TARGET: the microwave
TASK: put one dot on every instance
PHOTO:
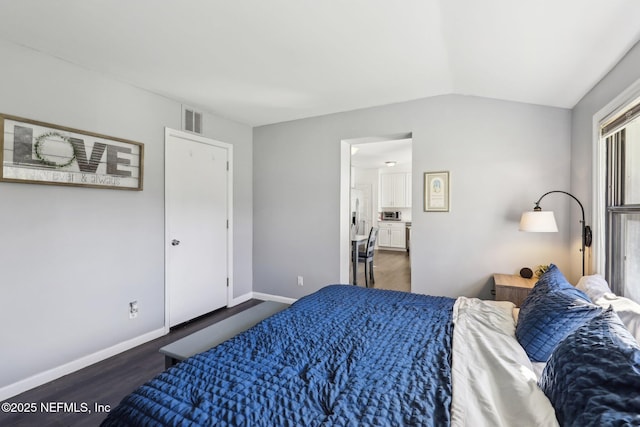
(391, 216)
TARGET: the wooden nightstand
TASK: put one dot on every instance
(510, 287)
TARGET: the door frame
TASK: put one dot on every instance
(344, 212)
(168, 132)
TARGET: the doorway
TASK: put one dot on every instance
(198, 196)
(368, 165)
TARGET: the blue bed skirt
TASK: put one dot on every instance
(341, 356)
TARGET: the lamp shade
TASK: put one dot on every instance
(538, 221)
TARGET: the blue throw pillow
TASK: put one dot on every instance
(553, 309)
(593, 376)
(554, 279)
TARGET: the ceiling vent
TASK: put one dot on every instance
(191, 120)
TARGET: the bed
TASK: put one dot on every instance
(356, 356)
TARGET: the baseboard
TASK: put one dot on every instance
(242, 298)
(36, 380)
(276, 298)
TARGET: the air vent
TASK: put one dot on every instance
(191, 120)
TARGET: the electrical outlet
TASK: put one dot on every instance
(300, 281)
(133, 309)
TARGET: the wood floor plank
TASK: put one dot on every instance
(392, 270)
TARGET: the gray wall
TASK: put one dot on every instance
(621, 77)
(502, 156)
(72, 258)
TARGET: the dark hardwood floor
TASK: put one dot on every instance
(391, 269)
(104, 383)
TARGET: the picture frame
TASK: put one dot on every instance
(436, 191)
(36, 152)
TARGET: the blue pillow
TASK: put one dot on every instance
(553, 309)
(593, 376)
(554, 279)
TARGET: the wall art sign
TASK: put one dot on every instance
(436, 191)
(42, 153)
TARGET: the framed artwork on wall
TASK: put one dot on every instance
(436, 191)
(42, 153)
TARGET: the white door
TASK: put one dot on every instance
(398, 237)
(398, 182)
(386, 191)
(197, 187)
(384, 236)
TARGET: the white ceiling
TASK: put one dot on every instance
(260, 62)
(373, 155)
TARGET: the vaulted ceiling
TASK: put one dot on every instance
(268, 61)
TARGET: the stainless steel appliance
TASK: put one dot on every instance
(391, 216)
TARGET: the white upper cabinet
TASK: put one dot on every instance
(395, 190)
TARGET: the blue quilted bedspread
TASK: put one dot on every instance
(341, 356)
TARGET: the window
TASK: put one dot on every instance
(622, 138)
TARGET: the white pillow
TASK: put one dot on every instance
(600, 293)
(626, 309)
(594, 286)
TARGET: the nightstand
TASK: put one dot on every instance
(510, 287)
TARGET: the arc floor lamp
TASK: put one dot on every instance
(544, 221)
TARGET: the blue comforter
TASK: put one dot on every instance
(341, 356)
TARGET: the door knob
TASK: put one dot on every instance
(175, 242)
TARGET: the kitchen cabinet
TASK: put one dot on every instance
(392, 235)
(395, 190)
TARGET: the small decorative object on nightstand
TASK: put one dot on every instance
(526, 273)
(510, 287)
